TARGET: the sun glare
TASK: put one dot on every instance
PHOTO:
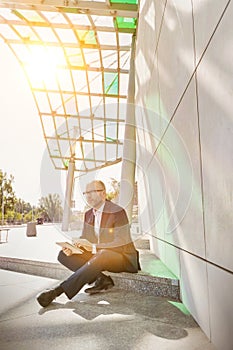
(42, 65)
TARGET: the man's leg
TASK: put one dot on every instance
(104, 260)
(88, 272)
(74, 261)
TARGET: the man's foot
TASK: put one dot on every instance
(102, 283)
(46, 297)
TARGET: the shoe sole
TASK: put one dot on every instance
(99, 291)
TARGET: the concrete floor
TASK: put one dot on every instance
(112, 320)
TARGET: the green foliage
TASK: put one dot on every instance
(7, 196)
(16, 210)
(112, 189)
(50, 207)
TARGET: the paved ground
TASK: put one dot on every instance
(112, 320)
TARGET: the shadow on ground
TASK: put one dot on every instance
(152, 314)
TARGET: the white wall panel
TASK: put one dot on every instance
(194, 289)
(206, 16)
(175, 54)
(181, 165)
(215, 86)
(221, 307)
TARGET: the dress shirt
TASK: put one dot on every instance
(98, 215)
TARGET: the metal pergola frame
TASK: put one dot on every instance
(82, 105)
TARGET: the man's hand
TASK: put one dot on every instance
(67, 251)
(83, 243)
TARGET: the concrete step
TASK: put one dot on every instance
(141, 242)
(154, 278)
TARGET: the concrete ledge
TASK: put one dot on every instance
(34, 267)
(146, 284)
(139, 282)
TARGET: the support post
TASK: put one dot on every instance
(68, 195)
(129, 147)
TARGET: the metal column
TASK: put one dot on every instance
(129, 148)
(68, 195)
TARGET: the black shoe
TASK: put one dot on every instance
(102, 283)
(45, 298)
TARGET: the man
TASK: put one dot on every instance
(107, 246)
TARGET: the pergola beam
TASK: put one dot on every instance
(82, 117)
(66, 26)
(66, 44)
(86, 7)
(62, 138)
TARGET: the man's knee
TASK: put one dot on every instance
(61, 257)
(103, 252)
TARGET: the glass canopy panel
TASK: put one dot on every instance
(92, 58)
(64, 147)
(64, 80)
(86, 128)
(77, 62)
(25, 32)
(54, 17)
(66, 35)
(134, 2)
(79, 19)
(103, 21)
(69, 103)
(84, 105)
(7, 32)
(8, 14)
(42, 101)
(111, 132)
(86, 37)
(97, 106)
(74, 57)
(48, 124)
(122, 108)
(45, 34)
(111, 151)
(110, 58)
(60, 122)
(56, 102)
(124, 79)
(29, 15)
(111, 83)
(95, 82)
(88, 150)
(107, 38)
(111, 108)
(124, 22)
(59, 163)
(80, 81)
(125, 39)
(124, 59)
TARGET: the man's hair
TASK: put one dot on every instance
(100, 183)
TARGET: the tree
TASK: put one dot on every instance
(7, 195)
(113, 189)
(50, 206)
(22, 210)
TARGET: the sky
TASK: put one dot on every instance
(23, 150)
(21, 140)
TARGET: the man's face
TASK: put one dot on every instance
(95, 195)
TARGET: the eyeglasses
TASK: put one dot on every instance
(93, 191)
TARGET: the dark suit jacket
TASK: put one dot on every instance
(114, 233)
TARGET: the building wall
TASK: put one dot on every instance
(184, 116)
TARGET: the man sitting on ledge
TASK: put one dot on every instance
(106, 228)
